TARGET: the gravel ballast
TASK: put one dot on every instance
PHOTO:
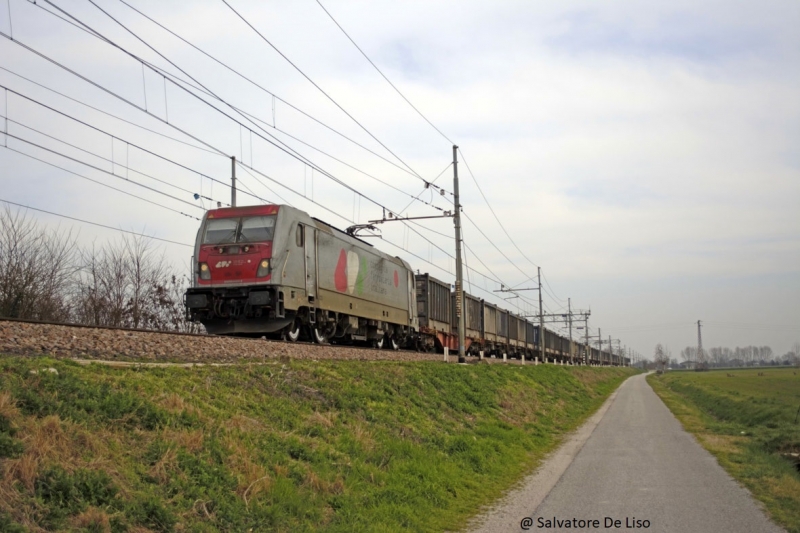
(81, 342)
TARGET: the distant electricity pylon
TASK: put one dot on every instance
(702, 364)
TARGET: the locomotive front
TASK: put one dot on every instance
(233, 290)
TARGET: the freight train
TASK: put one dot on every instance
(273, 270)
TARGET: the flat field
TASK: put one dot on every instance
(747, 419)
(293, 445)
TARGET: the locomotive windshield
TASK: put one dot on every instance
(257, 229)
(238, 230)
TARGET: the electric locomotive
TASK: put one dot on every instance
(272, 269)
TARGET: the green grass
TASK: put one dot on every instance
(283, 446)
(747, 421)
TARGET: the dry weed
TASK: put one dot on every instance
(323, 486)
(23, 469)
(92, 518)
(8, 407)
(173, 402)
(162, 470)
(326, 419)
(720, 443)
(785, 487)
(243, 423)
(192, 440)
(363, 436)
(315, 483)
(47, 439)
(519, 407)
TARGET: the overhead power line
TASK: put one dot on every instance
(117, 96)
(106, 113)
(55, 152)
(303, 159)
(104, 132)
(384, 75)
(443, 135)
(178, 83)
(426, 120)
(96, 224)
(101, 183)
(329, 97)
(491, 209)
(267, 91)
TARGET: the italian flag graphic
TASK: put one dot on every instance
(350, 272)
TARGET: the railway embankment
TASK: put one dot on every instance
(282, 445)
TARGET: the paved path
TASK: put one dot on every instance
(637, 462)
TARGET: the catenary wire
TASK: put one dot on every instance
(101, 183)
(102, 170)
(95, 223)
(117, 96)
(262, 88)
(298, 69)
(100, 130)
(285, 148)
(383, 75)
(107, 113)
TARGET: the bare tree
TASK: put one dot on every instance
(661, 357)
(103, 286)
(36, 268)
(129, 283)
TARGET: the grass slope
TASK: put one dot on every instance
(283, 446)
(746, 421)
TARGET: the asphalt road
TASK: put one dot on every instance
(638, 464)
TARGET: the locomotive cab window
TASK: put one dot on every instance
(299, 235)
(257, 229)
(237, 230)
(221, 230)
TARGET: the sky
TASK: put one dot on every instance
(645, 156)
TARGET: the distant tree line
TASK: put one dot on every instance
(46, 275)
(742, 356)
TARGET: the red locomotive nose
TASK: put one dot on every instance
(236, 263)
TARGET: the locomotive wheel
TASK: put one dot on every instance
(318, 336)
(292, 331)
(387, 342)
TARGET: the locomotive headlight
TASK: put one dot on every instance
(205, 273)
(263, 268)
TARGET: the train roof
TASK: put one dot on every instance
(245, 211)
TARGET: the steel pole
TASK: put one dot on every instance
(569, 307)
(542, 348)
(460, 304)
(233, 181)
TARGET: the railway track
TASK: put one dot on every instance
(83, 342)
